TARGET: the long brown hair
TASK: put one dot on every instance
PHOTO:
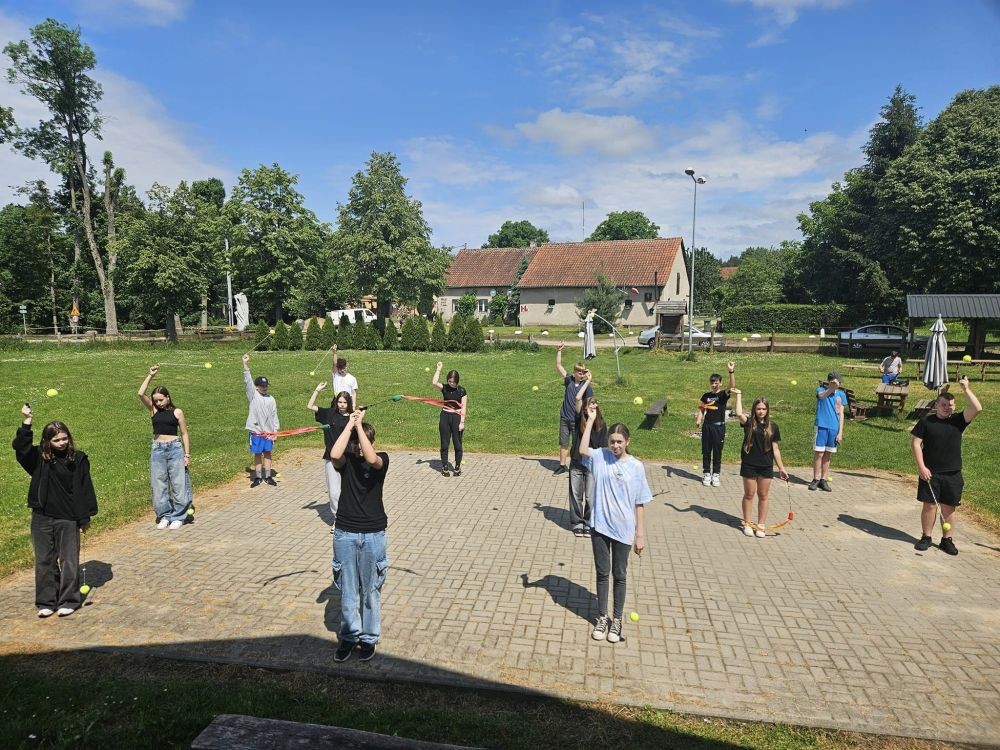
(49, 431)
(161, 391)
(765, 424)
(599, 424)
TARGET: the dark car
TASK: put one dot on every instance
(882, 336)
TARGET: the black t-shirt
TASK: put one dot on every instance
(59, 500)
(719, 401)
(598, 439)
(453, 396)
(757, 456)
(567, 411)
(942, 441)
(336, 423)
(360, 510)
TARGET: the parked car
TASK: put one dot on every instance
(701, 338)
(878, 336)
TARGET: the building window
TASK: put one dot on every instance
(628, 304)
(678, 292)
(647, 297)
(454, 305)
(552, 303)
(483, 305)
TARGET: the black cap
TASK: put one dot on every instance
(261, 381)
(833, 376)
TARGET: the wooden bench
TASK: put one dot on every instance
(236, 732)
(855, 409)
(654, 413)
(922, 409)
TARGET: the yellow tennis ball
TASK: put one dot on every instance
(795, 382)
(312, 372)
(271, 330)
(51, 392)
(208, 365)
(534, 387)
(967, 358)
(427, 369)
(637, 401)
(743, 339)
(85, 589)
(946, 526)
(634, 616)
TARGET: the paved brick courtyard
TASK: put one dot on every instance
(836, 621)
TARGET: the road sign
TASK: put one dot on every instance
(23, 310)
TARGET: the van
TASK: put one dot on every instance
(354, 314)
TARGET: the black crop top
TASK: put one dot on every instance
(164, 422)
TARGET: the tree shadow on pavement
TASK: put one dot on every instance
(566, 593)
(877, 529)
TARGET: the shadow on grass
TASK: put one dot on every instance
(566, 593)
(867, 423)
(558, 516)
(877, 529)
(115, 697)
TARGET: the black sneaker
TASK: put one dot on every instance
(561, 470)
(366, 651)
(344, 650)
(948, 545)
(457, 472)
(579, 531)
(814, 484)
(270, 481)
(615, 633)
(924, 543)
(255, 482)
(446, 469)
(825, 485)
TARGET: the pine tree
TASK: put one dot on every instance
(456, 334)
(473, 335)
(280, 336)
(439, 337)
(314, 335)
(390, 337)
(329, 332)
(346, 334)
(408, 336)
(262, 339)
(422, 337)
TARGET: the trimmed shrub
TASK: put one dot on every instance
(373, 340)
(280, 336)
(329, 333)
(346, 334)
(390, 336)
(782, 318)
(456, 334)
(423, 336)
(296, 338)
(439, 336)
(415, 337)
(261, 342)
(314, 335)
(473, 336)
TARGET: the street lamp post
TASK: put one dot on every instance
(694, 217)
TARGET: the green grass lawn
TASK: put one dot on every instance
(97, 399)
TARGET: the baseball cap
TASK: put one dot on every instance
(833, 376)
(261, 381)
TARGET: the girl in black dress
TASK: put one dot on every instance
(452, 422)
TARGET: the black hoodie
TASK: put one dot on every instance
(47, 493)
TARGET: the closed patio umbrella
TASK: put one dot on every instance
(936, 366)
(589, 348)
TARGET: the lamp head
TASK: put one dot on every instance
(689, 172)
(701, 180)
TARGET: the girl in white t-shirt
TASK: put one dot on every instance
(620, 492)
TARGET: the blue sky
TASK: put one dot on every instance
(548, 111)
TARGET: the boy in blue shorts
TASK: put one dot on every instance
(262, 424)
(830, 403)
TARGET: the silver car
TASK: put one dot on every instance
(648, 336)
(878, 336)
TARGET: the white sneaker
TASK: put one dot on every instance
(45, 612)
(715, 480)
(164, 522)
(760, 533)
(65, 611)
(175, 524)
(747, 530)
(707, 480)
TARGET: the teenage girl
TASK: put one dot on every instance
(581, 479)
(334, 420)
(620, 492)
(169, 457)
(759, 454)
(452, 422)
(62, 501)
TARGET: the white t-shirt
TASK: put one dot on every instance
(619, 486)
(892, 365)
(344, 383)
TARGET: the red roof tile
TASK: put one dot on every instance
(726, 271)
(624, 262)
(495, 266)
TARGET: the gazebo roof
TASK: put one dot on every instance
(961, 306)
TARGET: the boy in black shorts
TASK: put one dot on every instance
(937, 449)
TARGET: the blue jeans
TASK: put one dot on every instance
(360, 565)
(169, 482)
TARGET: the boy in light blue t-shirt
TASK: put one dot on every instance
(829, 433)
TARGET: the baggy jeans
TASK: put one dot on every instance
(360, 565)
(168, 480)
(57, 561)
(581, 494)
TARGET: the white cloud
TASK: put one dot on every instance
(769, 107)
(145, 140)
(576, 132)
(551, 196)
(787, 11)
(456, 164)
(124, 12)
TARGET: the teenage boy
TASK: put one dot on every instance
(262, 424)
(573, 384)
(937, 450)
(711, 419)
(360, 562)
(341, 379)
(829, 429)
(891, 367)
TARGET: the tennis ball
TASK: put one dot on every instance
(427, 369)
(51, 392)
(637, 401)
(967, 358)
(208, 365)
(795, 382)
(271, 331)
(534, 387)
(190, 511)
(634, 616)
(85, 589)
(743, 339)
(311, 373)
(946, 526)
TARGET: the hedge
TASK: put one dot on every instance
(782, 318)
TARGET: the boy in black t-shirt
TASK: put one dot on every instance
(937, 450)
(712, 421)
(360, 560)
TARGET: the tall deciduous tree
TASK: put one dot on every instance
(275, 238)
(517, 234)
(625, 225)
(706, 280)
(53, 69)
(385, 239)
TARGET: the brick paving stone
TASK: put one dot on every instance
(824, 623)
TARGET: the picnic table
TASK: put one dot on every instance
(982, 364)
(892, 397)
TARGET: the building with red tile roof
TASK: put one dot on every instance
(485, 273)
